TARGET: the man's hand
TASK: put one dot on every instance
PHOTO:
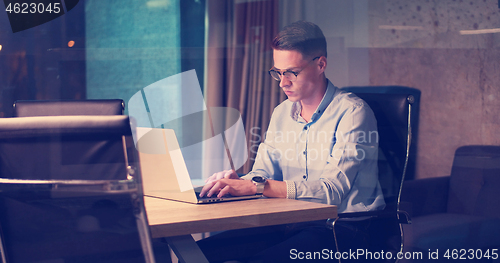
(228, 174)
(227, 182)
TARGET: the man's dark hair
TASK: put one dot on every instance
(304, 37)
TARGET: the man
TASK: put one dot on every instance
(321, 145)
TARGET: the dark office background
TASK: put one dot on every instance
(50, 61)
(121, 48)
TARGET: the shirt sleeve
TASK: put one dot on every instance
(353, 157)
(266, 162)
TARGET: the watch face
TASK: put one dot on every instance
(258, 179)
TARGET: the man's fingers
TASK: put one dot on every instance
(206, 188)
(215, 189)
(224, 191)
(211, 178)
(216, 184)
(219, 175)
(210, 188)
(228, 174)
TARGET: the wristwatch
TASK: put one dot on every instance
(260, 182)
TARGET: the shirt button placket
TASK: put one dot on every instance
(306, 128)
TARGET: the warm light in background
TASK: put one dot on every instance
(158, 3)
(71, 43)
(401, 27)
(0, 47)
(480, 31)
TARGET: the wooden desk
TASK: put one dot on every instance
(176, 221)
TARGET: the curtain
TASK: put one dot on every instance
(239, 55)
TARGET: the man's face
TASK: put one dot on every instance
(303, 88)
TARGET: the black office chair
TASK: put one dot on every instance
(92, 107)
(393, 109)
(458, 210)
(33, 108)
(64, 147)
(72, 209)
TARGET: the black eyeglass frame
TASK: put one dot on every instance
(279, 74)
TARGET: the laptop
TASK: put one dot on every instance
(164, 171)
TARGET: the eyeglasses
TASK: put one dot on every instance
(288, 74)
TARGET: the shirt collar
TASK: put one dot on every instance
(327, 98)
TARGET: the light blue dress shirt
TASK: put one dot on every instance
(332, 159)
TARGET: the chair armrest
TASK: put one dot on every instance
(404, 217)
(378, 214)
(425, 196)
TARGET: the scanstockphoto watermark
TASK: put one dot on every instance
(312, 136)
(352, 254)
(353, 144)
(323, 153)
(365, 254)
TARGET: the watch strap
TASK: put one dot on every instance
(260, 187)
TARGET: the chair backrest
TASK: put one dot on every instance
(33, 108)
(393, 111)
(476, 172)
(64, 147)
(73, 221)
